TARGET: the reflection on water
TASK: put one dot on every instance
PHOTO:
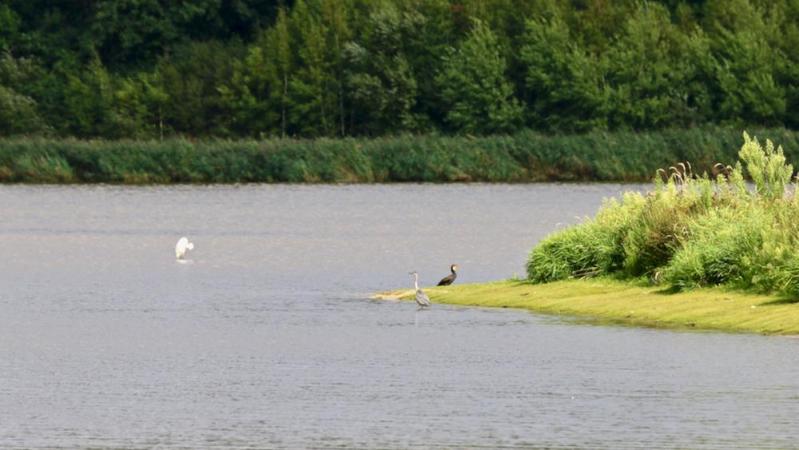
(267, 337)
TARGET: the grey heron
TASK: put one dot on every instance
(182, 247)
(421, 298)
(447, 280)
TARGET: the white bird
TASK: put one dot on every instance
(182, 247)
(421, 298)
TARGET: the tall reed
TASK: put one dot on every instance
(521, 157)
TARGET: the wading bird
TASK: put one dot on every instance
(421, 298)
(182, 247)
(447, 280)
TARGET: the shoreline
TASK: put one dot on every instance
(609, 301)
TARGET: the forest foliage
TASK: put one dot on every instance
(145, 69)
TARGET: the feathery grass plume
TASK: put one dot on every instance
(766, 167)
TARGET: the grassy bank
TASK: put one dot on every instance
(604, 300)
(524, 156)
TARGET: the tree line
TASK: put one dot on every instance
(331, 68)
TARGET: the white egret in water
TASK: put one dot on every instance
(447, 280)
(182, 247)
(421, 298)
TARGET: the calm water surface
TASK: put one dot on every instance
(267, 338)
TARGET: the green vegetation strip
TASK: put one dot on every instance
(609, 301)
(520, 157)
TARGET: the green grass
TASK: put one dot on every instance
(522, 157)
(618, 302)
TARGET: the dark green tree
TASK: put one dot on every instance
(473, 86)
(565, 83)
(652, 69)
(745, 72)
(18, 110)
(192, 76)
(313, 103)
(380, 81)
(9, 27)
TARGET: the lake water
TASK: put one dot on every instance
(267, 338)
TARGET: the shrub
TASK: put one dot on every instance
(720, 249)
(656, 232)
(591, 248)
(692, 231)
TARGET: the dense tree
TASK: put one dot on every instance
(192, 76)
(381, 85)
(310, 68)
(18, 111)
(745, 64)
(474, 88)
(652, 66)
(565, 82)
(9, 27)
(311, 91)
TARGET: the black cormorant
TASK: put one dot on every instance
(447, 280)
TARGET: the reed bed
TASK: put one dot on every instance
(521, 157)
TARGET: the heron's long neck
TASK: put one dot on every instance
(416, 281)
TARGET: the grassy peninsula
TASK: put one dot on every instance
(604, 300)
(700, 250)
(521, 157)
